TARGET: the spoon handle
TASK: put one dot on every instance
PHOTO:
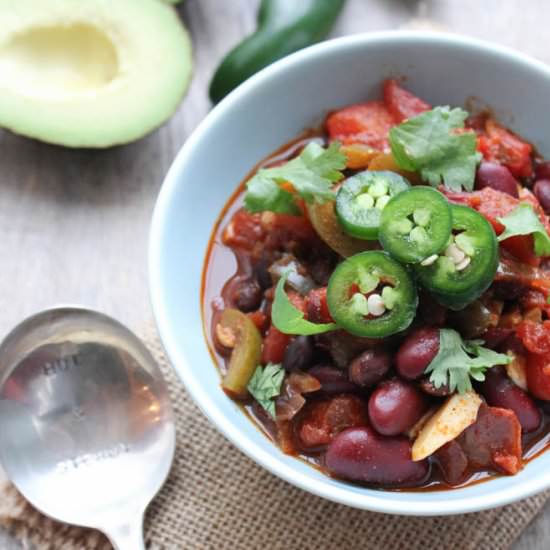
(128, 536)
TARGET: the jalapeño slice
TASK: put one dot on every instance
(362, 198)
(372, 295)
(416, 224)
(467, 266)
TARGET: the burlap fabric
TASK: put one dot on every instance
(216, 498)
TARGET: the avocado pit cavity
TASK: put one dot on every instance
(58, 61)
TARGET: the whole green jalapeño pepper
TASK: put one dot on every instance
(284, 26)
(372, 295)
(363, 197)
(416, 225)
(467, 266)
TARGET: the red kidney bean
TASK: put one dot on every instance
(417, 352)
(370, 367)
(542, 192)
(395, 407)
(500, 391)
(427, 386)
(360, 454)
(298, 354)
(542, 171)
(332, 379)
(494, 337)
(496, 176)
(247, 295)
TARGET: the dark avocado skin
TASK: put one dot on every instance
(284, 26)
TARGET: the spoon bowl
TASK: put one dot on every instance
(86, 425)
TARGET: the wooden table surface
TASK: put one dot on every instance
(74, 224)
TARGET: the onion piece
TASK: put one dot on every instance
(291, 400)
(454, 416)
(297, 278)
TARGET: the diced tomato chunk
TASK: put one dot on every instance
(244, 230)
(322, 420)
(296, 300)
(502, 146)
(533, 299)
(401, 103)
(316, 306)
(259, 318)
(367, 123)
(535, 336)
(538, 375)
(463, 198)
(521, 276)
(275, 344)
(283, 229)
(496, 204)
(526, 196)
(494, 440)
(493, 204)
(522, 248)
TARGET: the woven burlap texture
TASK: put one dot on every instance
(216, 498)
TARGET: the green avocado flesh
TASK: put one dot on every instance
(91, 73)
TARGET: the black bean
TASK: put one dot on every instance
(248, 295)
(370, 367)
(262, 274)
(332, 379)
(298, 354)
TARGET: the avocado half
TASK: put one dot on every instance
(90, 73)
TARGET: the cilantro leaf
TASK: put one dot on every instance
(524, 221)
(265, 386)
(289, 319)
(311, 174)
(264, 194)
(428, 144)
(457, 361)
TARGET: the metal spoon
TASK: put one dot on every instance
(86, 427)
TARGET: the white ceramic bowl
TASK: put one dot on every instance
(267, 111)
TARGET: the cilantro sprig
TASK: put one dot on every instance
(524, 221)
(289, 319)
(265, 386)
(458, 361)
(432, 144)
(312, 175)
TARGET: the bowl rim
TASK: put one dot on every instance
(207, 404)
